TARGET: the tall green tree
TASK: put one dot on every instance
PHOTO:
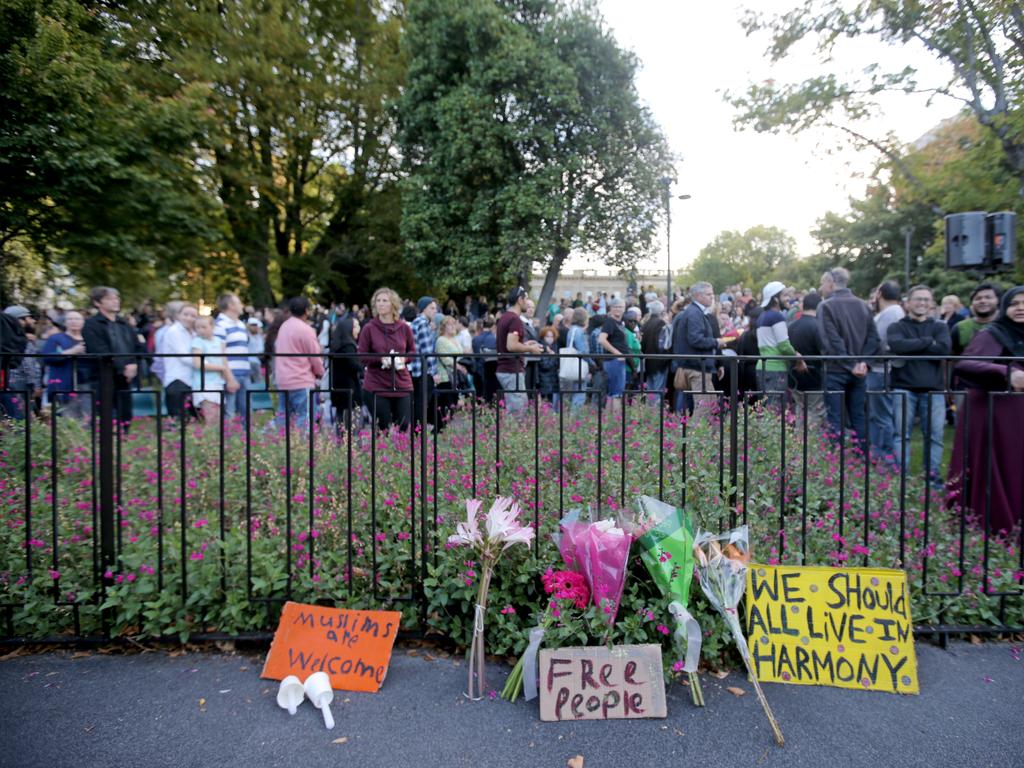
(525, 141)
(749, 258)
(94, 172)
(299, 133)
(981, 41)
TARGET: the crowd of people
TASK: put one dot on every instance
(872, 368)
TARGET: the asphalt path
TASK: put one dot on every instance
(212, 709)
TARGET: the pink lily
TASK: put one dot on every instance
(521, 534)
(468, 532)
(501, 518)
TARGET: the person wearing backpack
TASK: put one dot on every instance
(655, 339)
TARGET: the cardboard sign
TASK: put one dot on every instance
(847, 627)
(352, 647)
(596, 683)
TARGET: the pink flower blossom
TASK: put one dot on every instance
(468, 533)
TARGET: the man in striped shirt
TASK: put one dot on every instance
(231, 330)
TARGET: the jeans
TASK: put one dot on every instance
(236, 402)
(616, 372)
(297, 403)
(574, 387)
(930, 408)
(514, 401)
(774, 386)
(881, 426)
(656, 385)
(13, 405)
(846, 392)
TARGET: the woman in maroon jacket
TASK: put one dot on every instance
(988, 456)
(384, 343)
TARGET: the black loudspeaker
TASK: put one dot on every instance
(966, 237)
(1002, 239)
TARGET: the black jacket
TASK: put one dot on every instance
(847, 328)
(649, 345)
(805, 336)
(106, 337)
(909, 337)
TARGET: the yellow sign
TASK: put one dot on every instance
(848, 627)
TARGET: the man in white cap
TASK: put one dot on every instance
(773, 343)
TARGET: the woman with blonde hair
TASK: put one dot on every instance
(384, 344)
(448, 349)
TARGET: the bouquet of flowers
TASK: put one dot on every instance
(566, 588)
(722, 567)
(502, 530)
(665, 539)
(600, 552)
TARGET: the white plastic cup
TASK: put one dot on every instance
(290, 694)
(318, 689)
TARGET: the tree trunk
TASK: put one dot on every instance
(554, 269)
(249, 233)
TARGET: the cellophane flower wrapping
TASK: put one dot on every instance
(600, 551)
(722, 567)
(664, 536)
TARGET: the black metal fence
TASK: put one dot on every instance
(153, 525)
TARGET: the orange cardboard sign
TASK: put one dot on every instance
(352, 647)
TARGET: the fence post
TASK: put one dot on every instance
(734, 422)
(106, 395)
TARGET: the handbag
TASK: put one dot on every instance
(573, 368)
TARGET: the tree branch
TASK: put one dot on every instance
(996, 82)
(889, 153)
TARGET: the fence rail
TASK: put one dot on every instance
(160, 526)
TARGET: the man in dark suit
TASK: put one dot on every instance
(693, 334)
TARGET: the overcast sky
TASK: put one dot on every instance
(690, 53)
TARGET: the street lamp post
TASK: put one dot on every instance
(668, 235)
(906, 231)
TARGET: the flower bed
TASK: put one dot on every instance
(190, 567)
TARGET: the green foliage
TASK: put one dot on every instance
(749, 258)
(244, 144)
(293, 128)
(978, 41)
(525, 140)
(92, 174)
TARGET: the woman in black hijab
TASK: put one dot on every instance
(346, 394)
(987, 467)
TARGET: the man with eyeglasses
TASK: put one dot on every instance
(848, 332)
(918, 384)
(509, 333)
